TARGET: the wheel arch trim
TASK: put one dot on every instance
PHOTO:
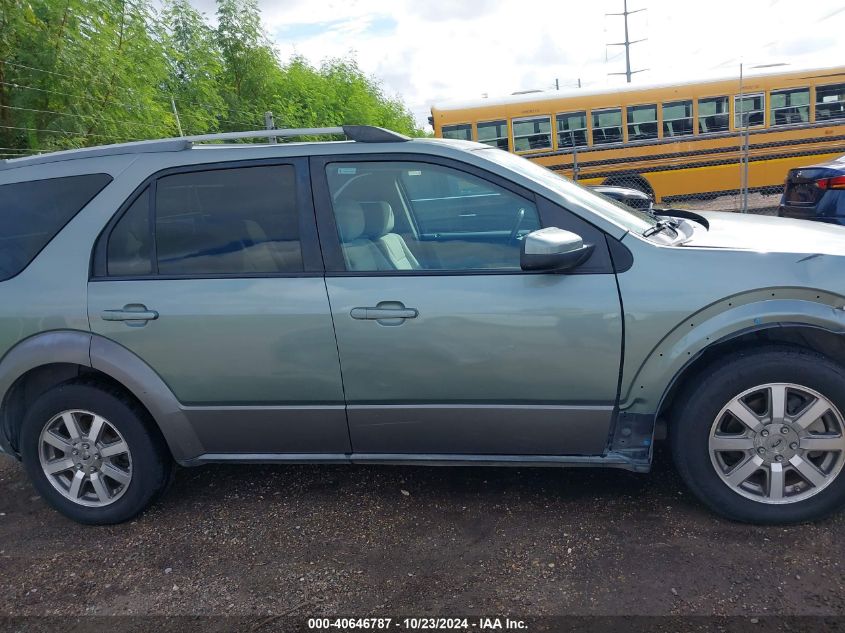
(719, 323)
(89, 350)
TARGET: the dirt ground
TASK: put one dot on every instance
(315, 540)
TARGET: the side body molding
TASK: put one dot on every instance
(125, 367)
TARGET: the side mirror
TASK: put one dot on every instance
(553, 249)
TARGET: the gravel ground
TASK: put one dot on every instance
(315, 540)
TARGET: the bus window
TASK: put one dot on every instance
(713, 115)
(749, 111)
(572, 129)
(533, 133)
(790, 106)
(830, 102)
(642, 122)
(677, 118)
(607, 126)
(494, 133)
(461, 132)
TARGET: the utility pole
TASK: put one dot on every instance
(627, 43)
(176, 115)
(269, 124)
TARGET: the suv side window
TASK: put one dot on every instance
(420, 216)
(236, 221)
(131, 242)
(32, 213)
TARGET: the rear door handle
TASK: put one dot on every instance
(378, 314)
(131, 312)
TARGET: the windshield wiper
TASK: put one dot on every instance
(661, 225)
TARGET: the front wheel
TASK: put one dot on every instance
(93, 453)
(760, 437)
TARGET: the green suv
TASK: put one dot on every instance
(387, 300)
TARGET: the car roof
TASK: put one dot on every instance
(354, 133)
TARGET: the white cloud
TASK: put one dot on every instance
(443, 50)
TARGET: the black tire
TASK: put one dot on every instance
(151, 461)
(700, 403)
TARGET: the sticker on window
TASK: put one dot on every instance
(347, 171)
(415, 172)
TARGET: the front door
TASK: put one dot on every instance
(212, 276)
(446, 346)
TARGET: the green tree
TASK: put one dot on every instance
(251, 69)
(88, 72)
(195, 66)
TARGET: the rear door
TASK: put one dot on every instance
(454, 349)
(212, 275)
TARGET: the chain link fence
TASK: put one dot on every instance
(733, 165)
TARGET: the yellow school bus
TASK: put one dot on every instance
(672, 141)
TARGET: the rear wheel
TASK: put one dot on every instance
(93, 453)
(762, 437)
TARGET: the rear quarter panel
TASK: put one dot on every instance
(50, 294)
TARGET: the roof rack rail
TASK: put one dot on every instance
(358, 133)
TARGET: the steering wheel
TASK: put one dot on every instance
(520, 215)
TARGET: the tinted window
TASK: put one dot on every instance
(713, 115)
(533, 133)
(642, 122)
(677, 118)
(830, 102)
(494, 133)
(749, 111)
(461, 132)
(130, 242)
(607, 126)
(228, 221)
(32, 213)
(790, 106)
(418, 216)
(572, 129)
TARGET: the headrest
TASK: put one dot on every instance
(350, 220)
(379, 219)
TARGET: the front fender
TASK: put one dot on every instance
(721, 321)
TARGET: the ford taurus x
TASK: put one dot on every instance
(386, 300)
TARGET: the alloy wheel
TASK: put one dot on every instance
(85, 458)
(778, 443)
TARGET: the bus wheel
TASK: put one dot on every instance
(632, 181)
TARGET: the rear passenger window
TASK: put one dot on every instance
(130, 242)
(32, 213)
(218, 222)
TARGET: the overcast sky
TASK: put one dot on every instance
(431, 51)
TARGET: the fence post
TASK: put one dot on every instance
(575, 168)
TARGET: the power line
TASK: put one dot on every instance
(125, 105)
(129, 91)
(82, 116)
(69, 132)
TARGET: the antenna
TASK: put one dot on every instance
(627, 43)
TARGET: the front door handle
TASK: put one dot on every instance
(132, 314)
(377, 314)
(385, 312)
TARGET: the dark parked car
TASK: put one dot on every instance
(815, 193)
(634, 198)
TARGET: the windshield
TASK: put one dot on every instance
(611, 210)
